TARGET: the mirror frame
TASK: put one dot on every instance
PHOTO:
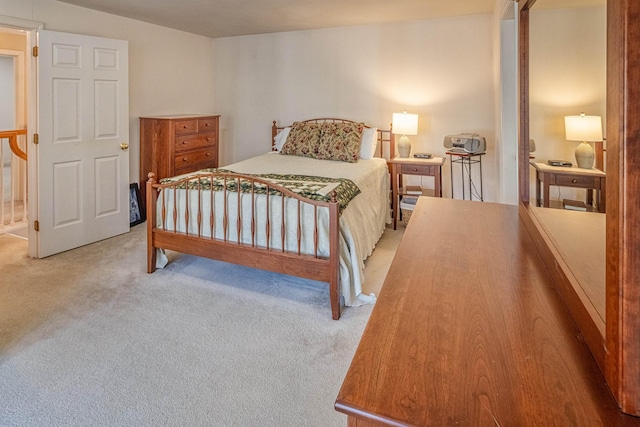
(617, 353)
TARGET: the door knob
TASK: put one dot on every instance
(124, 146)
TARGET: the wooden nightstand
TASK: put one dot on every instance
(590, 179)
(413, 166)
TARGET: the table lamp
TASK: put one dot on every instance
(404, 124)
(585, 129)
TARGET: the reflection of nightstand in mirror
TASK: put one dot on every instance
(413, 166)
(589, 179)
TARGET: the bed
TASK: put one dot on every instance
(316, 215)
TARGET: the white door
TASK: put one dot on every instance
(83, 127)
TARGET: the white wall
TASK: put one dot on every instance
(441, 69)
(567, 74)
(7, 94)
(170, 72)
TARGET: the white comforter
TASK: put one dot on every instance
(361, 224)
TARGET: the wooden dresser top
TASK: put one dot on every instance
(180, 116)
(469, 330)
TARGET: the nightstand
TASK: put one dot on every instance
(413, 166)
(590, 179)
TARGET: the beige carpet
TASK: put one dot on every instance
(87, 338)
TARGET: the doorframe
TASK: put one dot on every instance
(30, 29)
(508, 93)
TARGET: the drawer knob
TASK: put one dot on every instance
(415, 169)
(574, 180)
(208, 154)
(184, 142)
(184, 159)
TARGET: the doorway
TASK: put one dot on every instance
(13, 124)
(79, 107)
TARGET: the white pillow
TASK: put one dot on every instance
(280, 138)
(368, 143)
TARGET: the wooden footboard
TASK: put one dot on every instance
(234, 229)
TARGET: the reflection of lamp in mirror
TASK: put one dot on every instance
(404, 124)
(585, 129)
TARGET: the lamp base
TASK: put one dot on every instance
(404, 146)
(585, 155)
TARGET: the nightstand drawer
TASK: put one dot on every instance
(194, 142)
(577, 181)
(186, 126)
(416, 169)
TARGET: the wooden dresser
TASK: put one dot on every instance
(469, 330)
(173, 145)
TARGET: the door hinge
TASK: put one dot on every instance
(35, 51)
(36, 225)
(36, 138)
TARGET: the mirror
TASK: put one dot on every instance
(616, 351)
(567, 76)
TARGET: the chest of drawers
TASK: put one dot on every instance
(177, 144)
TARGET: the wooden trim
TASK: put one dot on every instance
(599, 149)
(151, 199)
(523, 140)
(525, 4)
(623, 217)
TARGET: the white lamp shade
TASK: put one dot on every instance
(405, 123)
(583, 128)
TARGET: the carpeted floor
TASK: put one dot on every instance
(87, 338)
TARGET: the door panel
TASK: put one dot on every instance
(106, 186)
(67, 194)
(83, 174)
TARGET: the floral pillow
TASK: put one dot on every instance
(340, 141)
(303, 140)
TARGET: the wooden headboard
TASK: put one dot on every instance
(384, 135)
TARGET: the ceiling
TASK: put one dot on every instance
(227, 18)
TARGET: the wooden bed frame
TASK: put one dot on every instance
(291, 262)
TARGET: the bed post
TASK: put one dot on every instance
(334, 256)
(274, 132)
(152, 197)
(392, 143)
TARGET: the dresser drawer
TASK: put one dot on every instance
(186, 126)
(200, 157)
(195, 142)
(577, 181)
(416, 169)
(207, 125)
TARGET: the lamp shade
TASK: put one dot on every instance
(583, 128)
(405, 123)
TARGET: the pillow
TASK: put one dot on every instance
(280, 138)
(340, 141)
(369, 143)
(303, 140)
